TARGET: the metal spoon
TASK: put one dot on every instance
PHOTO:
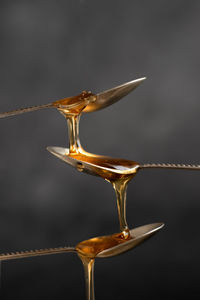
(138, 235)
(113, 95)
(106, 167)
(101, 247)
(112, 245)
(107, 246)
(78, 162)
(78, 103)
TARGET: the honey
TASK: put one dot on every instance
(116, 171)
(74, 105)
(92, 247)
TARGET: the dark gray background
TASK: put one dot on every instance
(54, 49)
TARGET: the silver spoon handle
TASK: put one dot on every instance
(24, 110)
(170, 166)
(31, 253)
(58, 105)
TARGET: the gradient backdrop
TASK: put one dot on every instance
(54, 49)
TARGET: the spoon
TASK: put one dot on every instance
(112, 245)
(113, 95)
(96, 164)
(96, 246)
(104, 166)
(75, 105)
(107, 246)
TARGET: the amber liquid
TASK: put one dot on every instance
(92, 247)
(106, 168)
(88, 265)
(89, 249)
(74, 105)
(116, 171)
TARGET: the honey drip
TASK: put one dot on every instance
(89, 249)
(88, 265)
(73, 132)
(116, 171)
(120, 187)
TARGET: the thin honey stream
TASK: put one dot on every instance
(116, 171)
(88, 265)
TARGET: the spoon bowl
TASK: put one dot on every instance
(113, 95)
(107, 167)
(112, 245)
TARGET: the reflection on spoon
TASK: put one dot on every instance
(113, 95)
(104, 166)
(112, 245)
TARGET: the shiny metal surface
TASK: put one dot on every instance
(67, 106)
(62, 153)
(113, 95)
(23, 110)
(36, 252)
(170, 166)
(138, 235)
(90, 168)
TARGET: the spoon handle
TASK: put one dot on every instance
(24, 110)
(31, 253)
(170, 166)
